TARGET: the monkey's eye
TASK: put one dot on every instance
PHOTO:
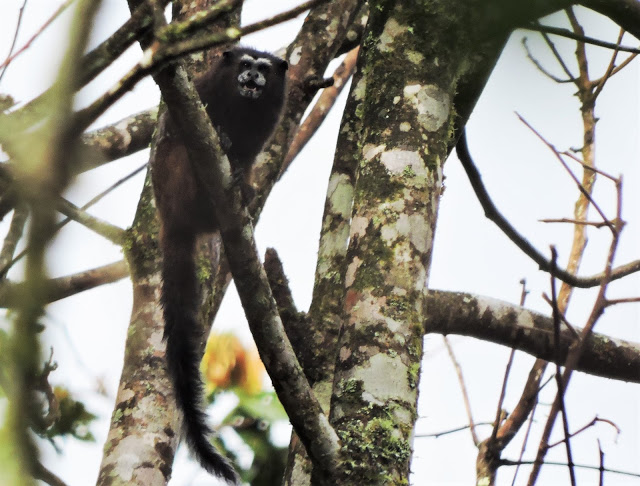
(245, 64)
(263, 68)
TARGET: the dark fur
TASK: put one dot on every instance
(244, 125)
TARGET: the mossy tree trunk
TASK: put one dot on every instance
(410, 61)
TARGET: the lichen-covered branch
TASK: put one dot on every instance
(518, 328)
(120, 139)
(236, 230)
(327, 304)
(63, 287)
(107, 230)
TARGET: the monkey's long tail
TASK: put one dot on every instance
(183, 335)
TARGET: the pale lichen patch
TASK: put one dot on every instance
(368, 309)
(123, 130)
(128, 454)
(397, 161)
(350, 275)
(405, 126)
(385, 377)
(360, 89)
(295, 56)
(392, 29)
(359, 225)
(393, 325)
(340, 193)
(419, 232)
(389, 233)
(432, 104)
(414, 57)
(369, 151)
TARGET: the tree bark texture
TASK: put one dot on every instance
(408, 69)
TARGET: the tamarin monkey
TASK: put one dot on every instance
(244, 93)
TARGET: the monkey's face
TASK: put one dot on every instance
(252, 76)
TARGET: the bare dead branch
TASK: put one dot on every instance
(572, 35)
(506, 462)
(579, 185)
(463, 388)
(558, 375)
(26, 46)
(587, 167)
(588, 426)
(453, 431)
(598, 225)
(627, 300)
(492, 213)
(579, 346)
(599, 84)
(543, 70)
(15, 39)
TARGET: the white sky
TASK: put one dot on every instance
(471, 254)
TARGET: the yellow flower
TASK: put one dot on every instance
(227, 364)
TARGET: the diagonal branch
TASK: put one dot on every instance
(63, 287)
(547, 29)
(236, 230)
(492, 213)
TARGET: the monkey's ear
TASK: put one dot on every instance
(283, 65)
(227, 55)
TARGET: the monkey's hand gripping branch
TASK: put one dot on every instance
(290, 383)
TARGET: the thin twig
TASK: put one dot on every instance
(588, 167)
(506, 462)
(26, 46)
(65, 221)
(437, 435)
(557, 55)
(587, 426)
(492, 213)
(541, 68)
(558, 363)
(581, 188)
(571, 35)
(563, 318)
(626, 300)
(463, 387)
(602, 469)
(15, 39)
(595, 224)
(525, 440)
(599, 84)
